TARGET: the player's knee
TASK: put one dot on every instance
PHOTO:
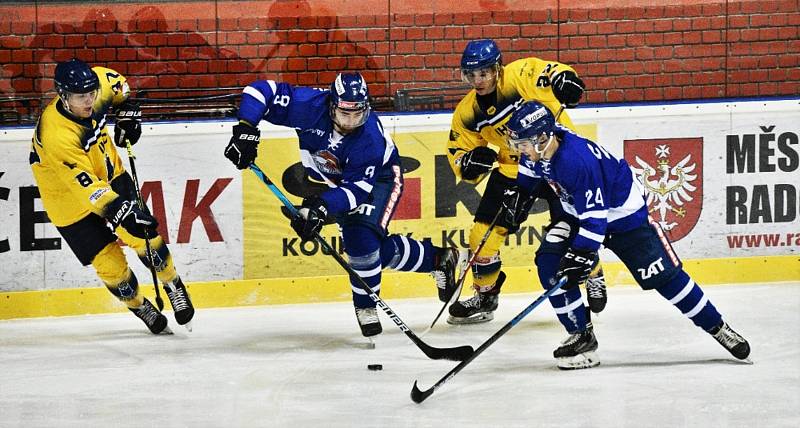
(365, 262)
(110, 264)
(546, 267)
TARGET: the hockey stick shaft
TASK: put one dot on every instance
(419, 396)
(460, 283)
(140, 202)
(459, 353)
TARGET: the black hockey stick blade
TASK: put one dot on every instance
(418, 396)
(459, 353)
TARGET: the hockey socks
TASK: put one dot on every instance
(689, 298)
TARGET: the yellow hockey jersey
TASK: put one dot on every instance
(472, 126)
(74, 160)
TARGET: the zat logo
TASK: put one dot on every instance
(671, 171)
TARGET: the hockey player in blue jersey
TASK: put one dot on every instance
(345, 146)
(604, 205)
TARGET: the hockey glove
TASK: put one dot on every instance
(576, 266)
(243, 147)
(477, 162)
(516, 206)
(125, 213)
(568, 88)
(310, 218)
(129, 124)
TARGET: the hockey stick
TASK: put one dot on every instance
(460, 283)
(459, 353)
(140, 202)
(419, 396)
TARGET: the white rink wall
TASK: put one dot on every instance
(728, 174)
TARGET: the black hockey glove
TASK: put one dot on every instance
(576, 266)
(516, 206)
(476, 162)
(568, 88)
(243, 147)
(310, 219)
(126, 213)
(129, 124)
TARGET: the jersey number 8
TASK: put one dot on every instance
(84, 179)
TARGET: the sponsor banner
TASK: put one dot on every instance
(721, 177)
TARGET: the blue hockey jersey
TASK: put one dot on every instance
(594, 187)
(349, 164)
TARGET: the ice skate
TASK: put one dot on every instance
(368, 321)
(732, 341)
(596, 294)
(448, 262)
(577, 351)
(180, 301)
(478, 308)
(153, 319)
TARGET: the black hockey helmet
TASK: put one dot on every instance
(75, 76)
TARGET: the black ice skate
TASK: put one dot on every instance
(596, 292)
(368, 321)
(478, 308)
(577, 350)
(180, 301)
(731, 340)
(153, 319)
(447, 263)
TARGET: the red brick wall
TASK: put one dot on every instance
(626, 50)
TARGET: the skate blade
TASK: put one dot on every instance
(746, 361)
(478, 318)
(188, 326)
(166, 331)
(370, 343)
(581, 361)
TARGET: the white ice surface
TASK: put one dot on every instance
(306, 366)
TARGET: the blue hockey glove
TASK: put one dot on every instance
(476, 162)
(243, 146)
(129, 124)
(568, 88)
(516, 204)
(310, 218)
(125, 213)
(576, 265)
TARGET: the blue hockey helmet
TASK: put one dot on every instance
(532, 123)
(75, 76)
(480, 54)
(349, 101)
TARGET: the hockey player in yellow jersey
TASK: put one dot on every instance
(478, 122)
(84, 187)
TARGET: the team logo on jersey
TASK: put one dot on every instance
(671, 171)
(327, 163)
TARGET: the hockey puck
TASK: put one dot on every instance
(375, 367)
